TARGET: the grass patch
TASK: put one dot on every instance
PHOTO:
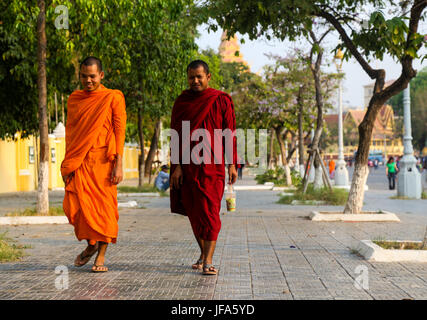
(53, 211)
(423, 197)
(335, 196)
(277, 176)
(10, 251)
(144, 188)
(399, 245)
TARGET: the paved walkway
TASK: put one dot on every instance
(264, 251)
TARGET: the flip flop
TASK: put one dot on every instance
(99, 268)
(209, 270)
(85, 259)
(198, 265)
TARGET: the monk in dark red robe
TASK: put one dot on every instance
(200, 116)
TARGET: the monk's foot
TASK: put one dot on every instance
(99, 261)
(99, 268)
(86, 255)
(198, 265)
(209, 270)
(98, 265)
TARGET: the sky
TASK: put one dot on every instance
(254, 52)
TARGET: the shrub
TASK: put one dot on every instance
(277, 176)
(335, 196)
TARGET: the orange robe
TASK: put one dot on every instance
(94, 136)
(331, 166)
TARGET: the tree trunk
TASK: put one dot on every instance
(283, 155)
(56, 110)
(318, 178)
(300, 133)
(63, 114)
(43, 178)
(270, 160)
(292, 148)
(152, 151)
(381, 95)
(356, 195)
(141, 157)
(315, 69)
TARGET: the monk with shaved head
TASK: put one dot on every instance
(197, 182)
(92, 167)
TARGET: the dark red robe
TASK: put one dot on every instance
(203, 184)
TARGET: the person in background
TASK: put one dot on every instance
(419, 165)
(240, 169)
(391, 170)
(162, 180)
(376, 164)
(398, 163)
(332, 168)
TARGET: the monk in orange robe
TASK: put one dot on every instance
(331, 167)
(92, 167)
(197, 187)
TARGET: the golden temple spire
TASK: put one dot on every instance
(228, 48)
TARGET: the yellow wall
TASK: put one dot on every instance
(8, 175)
(18, 173)
(26, 170)
(130, 162)
(56, 149)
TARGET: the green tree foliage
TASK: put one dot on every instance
(362, 36)
(226, 76)
(271, 100)
(418, 94)
(18, 64)
(144, 46)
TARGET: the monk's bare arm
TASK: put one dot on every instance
(176, 178)
(232, 174)
(229, 122)
(119, 123)
(117, 173)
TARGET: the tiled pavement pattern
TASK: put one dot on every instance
(261, 254)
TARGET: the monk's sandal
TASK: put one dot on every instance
(99, 268)
(209, 270)
(198, 264)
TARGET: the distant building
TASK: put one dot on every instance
(368, 92)
(384, 137)
(229, 50)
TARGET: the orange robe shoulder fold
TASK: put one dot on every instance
(94, 136)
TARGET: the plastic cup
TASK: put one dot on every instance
(230, 199)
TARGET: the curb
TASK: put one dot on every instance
(140, 194)
(383, 216)
(371, 251)
(253, 187)
(283, 189)
(129, 204)
(33, 220)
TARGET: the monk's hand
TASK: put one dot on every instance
(176, 178)
(117, 173)
(66, 178)
(232, 174)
